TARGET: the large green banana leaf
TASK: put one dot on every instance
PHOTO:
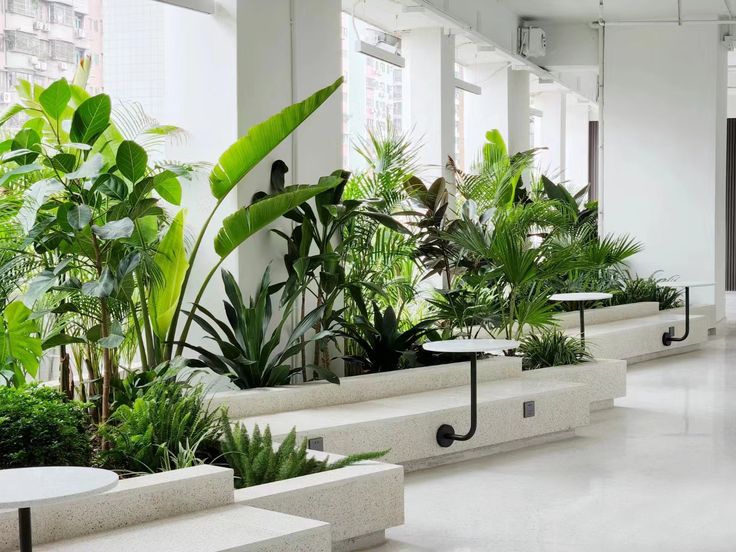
(245, 222)
(171, 258)
(260, 140)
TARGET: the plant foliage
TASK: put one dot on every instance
(551, 348)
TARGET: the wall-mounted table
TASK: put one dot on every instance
(580, 298)
(446, 435)
(669, 336)
(23, 488)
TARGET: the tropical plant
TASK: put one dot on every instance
(111, 271)
(383, 346)
(255, 460)
(496, 183)
(248, 355)
(551, 348)
(634, 289)
(20, 344)
(465, 311)
(41, 427)
(170, 423)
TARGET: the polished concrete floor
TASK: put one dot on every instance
(656, 473)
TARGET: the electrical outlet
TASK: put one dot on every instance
(316, 443)
(529, 409)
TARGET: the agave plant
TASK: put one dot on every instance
(249, 355)
(381, 341)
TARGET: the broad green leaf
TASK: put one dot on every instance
(111, 341)
(34, 197)
(91, 119)
(60, 339)
(17, 172)
(131, 160)
(55, 98)
(63, 162)
(245, 222)
(27, 139)
(10, 112)
(171, 259)
(168, 187)
(260, 140)
(102, 287)
(79, 216)
(115, 229)
(20, 341)
(111, 185)
(39, 285)
(90, 168)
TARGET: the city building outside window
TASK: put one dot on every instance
(61, 14)
(374, 90)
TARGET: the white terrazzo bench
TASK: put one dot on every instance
(234, 528)
(407, 424)
(639, 339)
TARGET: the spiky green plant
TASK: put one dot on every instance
(635, 290)
(255, 460)
(170, 426)
(552, 348)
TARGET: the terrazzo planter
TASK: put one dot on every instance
(355, 389)
(359, 502)
(605, 378)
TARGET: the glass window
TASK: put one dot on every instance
(23, 7)
(374, 93)
(61, 14)
(60, 50)
(19, 41)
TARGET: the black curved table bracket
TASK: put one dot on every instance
(669, 336)
(446, 435)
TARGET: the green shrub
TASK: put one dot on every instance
(551, 348)
(254, 460)
(40, 427)
(635, 290)
(168, 427)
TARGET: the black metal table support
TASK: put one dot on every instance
(581, 308)
(446, 433)
(24, 526)
(669, 336)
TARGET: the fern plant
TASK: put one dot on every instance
(255, 460)
(552, 348)
(168, 427)
(635, 290)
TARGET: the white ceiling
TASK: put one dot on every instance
(587, 10)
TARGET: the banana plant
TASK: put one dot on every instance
(232, 166)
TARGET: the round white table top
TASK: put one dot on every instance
(26, 487)
(683, 284)
(470, 345)
(580, 296)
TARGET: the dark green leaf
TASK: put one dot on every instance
(79, 216)
(111, 185)
(131, 160)
(102, 287)
(168, 187)
(91, 119)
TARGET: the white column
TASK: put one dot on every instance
(551, 160)
(518, 109)
(278, 65)
(664, 148)
(430, 61)
(488, 110)
(576, 144)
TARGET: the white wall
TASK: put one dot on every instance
(551, 160)
(488, 110)
(664, 139)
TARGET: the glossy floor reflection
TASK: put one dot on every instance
(658, 472)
